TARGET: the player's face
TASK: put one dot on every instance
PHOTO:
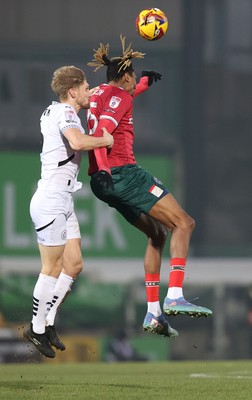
(83, 96)
(133, 83)
(130, 83)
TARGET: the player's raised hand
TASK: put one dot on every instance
(152, 76)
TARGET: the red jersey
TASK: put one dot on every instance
(112, 107)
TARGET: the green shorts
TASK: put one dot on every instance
(135, 191)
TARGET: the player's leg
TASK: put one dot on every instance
(156, 233)
(130, 196)
(171, 214)
(168, 212)
(43, 295)
(48, 211)
(72, 258)
(72, 266)
(43, 298)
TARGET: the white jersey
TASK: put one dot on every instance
(60, 164)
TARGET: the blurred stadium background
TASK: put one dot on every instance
(193, 131)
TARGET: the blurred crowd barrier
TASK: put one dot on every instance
(110, 296)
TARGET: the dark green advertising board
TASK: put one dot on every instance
(104, 231)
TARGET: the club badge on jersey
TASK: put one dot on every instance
(70, 116)
(114, 101)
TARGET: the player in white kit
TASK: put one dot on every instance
(52, 208)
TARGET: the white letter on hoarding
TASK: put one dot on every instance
(12, 239)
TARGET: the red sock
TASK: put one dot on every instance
(177, 272)
(152, 284)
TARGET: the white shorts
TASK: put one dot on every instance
(54, 218)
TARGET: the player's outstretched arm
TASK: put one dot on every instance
(78, 141)
(152, 76)
(146, 80)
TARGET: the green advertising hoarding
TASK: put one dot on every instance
(104, 232)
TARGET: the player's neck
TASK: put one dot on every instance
(121, 84)
(114, 83)
(72, 103)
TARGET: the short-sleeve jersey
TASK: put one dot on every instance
(114, 104)
(60, 164)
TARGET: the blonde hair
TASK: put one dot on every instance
(65, 78)
(123, 62)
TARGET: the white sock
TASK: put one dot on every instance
(42, 297)
(154, 308)
(175, 293)
(61, 288)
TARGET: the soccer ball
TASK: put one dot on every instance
(152, 24)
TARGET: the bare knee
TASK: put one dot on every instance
(163, 233)
(192, 224)
(159, 235)
(78, 267)
(188, 224)
(73, 269)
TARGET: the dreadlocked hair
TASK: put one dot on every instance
(117, 66)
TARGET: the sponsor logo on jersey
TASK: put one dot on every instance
(70, 116)
(109, 110)
(114, 102)
(156, 191)
(93, 104)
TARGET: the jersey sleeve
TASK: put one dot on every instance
(142, 86)
(101, 153)
(68, 119)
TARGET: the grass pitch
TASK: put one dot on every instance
(208, 380)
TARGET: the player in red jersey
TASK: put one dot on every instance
(140, 197)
